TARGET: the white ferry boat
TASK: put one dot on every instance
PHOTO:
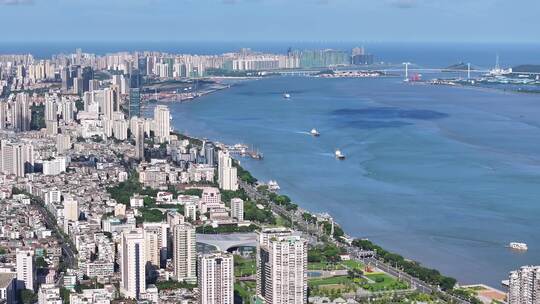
(314, 132)
(286, 95)
(518, 246)
(339, 155)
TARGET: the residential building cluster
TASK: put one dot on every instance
(76, 71)
(95, 196)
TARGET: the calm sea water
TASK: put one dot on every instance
(447, 176)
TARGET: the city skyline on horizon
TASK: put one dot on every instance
(481, 21)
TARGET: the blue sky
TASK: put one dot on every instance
(271, 20)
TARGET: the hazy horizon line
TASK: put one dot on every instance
(359, 42)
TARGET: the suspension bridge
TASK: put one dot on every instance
(408, 67)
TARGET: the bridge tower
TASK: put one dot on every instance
(406, 70)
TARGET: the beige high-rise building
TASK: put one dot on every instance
(71, 209)
(174, 218)
(262, 254)
(119, 129)
(133, 263)
(63, 143)
(237, 209)
(156, 239)
(51, 109)
(281, 267)
(227, 173)
(16, 158)
(524, 286)
(151, 238)
(68, 110)
(51, 126)
(108, 104)
(26, 271)
(120, 210)
(215, 277)
(184, 252)
(162, 123)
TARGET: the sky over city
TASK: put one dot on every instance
(271, 20)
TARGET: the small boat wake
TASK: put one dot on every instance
(313, 133)
(326, 154)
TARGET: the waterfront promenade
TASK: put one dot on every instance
(367, 258)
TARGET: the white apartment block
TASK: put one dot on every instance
(162, 123)
(26, 272)
(159, 237)
(215, 276)
(15, 158)
(71, 209)
(524, 286)
(184, 252)
(227, 173)
(133, 263)
(100, 269)
(55, 166)
(281, 267)
(237, 209)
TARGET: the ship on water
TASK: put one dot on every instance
(518, 246)
(286, 95)
(339, 154)
(314, 132)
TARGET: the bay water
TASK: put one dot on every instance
(443, 175)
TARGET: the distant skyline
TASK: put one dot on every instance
(271, 20)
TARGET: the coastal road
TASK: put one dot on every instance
(254, 194)
(413, 282)
(355, 252)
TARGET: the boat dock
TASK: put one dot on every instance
(244, 151)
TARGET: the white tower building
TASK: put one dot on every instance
(281, 267)
(133, 263)
(227, 173)
(16, 158)
(524, 286)
(162, 123)
(215, 276)
(237, 209)
(26, 272)
(71, 209)
(184, 252)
